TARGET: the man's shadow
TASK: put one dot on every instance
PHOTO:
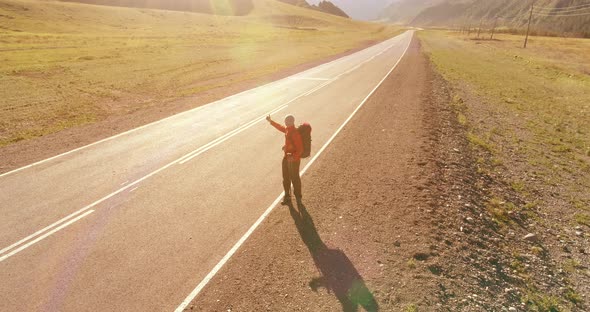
(338, 274)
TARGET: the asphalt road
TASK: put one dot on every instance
(135, 222)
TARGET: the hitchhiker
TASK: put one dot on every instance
(293, 149)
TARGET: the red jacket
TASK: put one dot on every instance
(293, 143)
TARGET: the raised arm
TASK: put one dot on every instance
(277, 125)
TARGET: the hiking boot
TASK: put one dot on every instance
(286, 201)
(299, 202)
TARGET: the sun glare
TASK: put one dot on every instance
(221, 7)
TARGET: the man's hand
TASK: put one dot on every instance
(268, 118)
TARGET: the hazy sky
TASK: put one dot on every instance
(360, 9)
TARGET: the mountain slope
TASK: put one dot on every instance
(322, 6)
(365, 10)
(219, 7)
(404, 11)
(510, 14)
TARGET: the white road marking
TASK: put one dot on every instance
(317, 88)
(175, 115)
(125, 182)
(241, 241)
(25, 246)
(366, 61)
(309, 78)
(133, 189)
(130, 185)
(225, 137)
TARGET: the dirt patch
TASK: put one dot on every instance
(28, 151)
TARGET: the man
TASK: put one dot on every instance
(293, 148)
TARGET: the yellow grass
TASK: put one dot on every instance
(536, 103)
(528, 111)
(65, 64)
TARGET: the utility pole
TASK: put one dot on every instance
(469, 20)
(526, 39)
(494, 29)
(479, 29)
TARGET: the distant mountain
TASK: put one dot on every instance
(512, 14)
(219, 7)
(330, 8)
(322, 6)
(404, 11)
(366, 10)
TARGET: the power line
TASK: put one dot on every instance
(561, 15)
(565, 11)
(570, 11)
(563, 8)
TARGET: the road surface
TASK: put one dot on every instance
(135, 222)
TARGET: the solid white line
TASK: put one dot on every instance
(127, 186)
(181, 113)
(39, 232)
(251, 230)
(366, 61)
(355, 111)
(23, 247)
(98, 142)
(228, 135)
(203, 150)
(309, 78)
(317, 88)
(227, 256)
(181, 161)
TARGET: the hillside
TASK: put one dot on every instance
(90, 71)
(510, 14)
(219, 7)
(404, 11)
(322, 6)
(366, 10)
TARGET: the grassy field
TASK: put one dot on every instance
(528, 112)
(63, 65)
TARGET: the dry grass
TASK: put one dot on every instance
(540, 97)
(64, 65)
(528, 112)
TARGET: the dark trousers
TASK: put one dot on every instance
(291, 175)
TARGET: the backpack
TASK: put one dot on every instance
(305, 133)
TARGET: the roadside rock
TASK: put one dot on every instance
(531, 237)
